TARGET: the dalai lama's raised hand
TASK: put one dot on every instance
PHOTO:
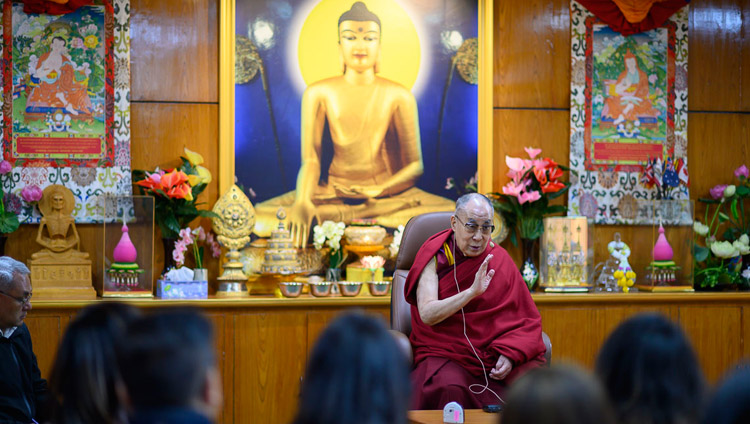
(483, 277)
(502, 368)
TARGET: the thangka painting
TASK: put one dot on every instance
(65, 104)
(628, 117)
(350, 109)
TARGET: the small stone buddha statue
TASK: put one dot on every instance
(60, 240)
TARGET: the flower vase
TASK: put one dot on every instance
(200, 274)
(745, 270)
(169, 264)
(530, 265)
(333, 274)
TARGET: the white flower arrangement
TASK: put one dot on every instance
(396, 243)
(329, 234)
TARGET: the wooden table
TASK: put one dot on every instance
(471, 416)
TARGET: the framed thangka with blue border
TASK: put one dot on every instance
(628, 117)
(66, 103)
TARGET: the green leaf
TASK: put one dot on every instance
(173, 225)
(8, 222)
(556, 209)
(712, 201)
(733, 208)
(743, 191)
(207, 214)
(700, 253)
(723, 217)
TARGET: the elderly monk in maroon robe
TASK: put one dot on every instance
(460, 274)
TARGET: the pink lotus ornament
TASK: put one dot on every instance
(125, 251)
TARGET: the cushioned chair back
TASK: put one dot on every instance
(416, 232)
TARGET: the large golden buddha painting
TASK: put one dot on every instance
(350, 109)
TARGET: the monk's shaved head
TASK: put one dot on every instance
(473, 197)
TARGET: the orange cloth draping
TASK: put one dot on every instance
(612, 12)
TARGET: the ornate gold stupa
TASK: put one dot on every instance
(233, 227)
(280, 260)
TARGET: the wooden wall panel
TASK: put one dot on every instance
(532, 54)
(160, 133)
(718, 144)
(224, 341)
(718, 345)
(261, 386)
(716, 76)
(46, 334)
(515, 129)
(174, 50)
(571, 342)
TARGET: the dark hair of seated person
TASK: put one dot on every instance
(165, 357)
(557, 395)
(650, 372)
(730, 403)
(84, 374)
(356, 374)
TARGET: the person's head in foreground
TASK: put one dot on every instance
(557, 395)
(356, 374)
(15, 292)
(730, 403)
(84, 375)
(168, 365)
(651, 373)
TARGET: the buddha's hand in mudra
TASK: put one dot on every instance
(357, 191)
(301, 215)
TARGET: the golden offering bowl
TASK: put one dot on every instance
(291, 288)
(349, 288)
(321, 289)
(379, 288)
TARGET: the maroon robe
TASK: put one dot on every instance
(502, 321)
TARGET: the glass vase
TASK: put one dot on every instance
(333, 274)
(530, 264)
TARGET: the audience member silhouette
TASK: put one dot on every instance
(651, 373)
(168, 364)
(356, 374)
(730, 404)
(24, 394)
(84, 375)
(557, 395)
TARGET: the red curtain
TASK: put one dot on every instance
(53, 7)
(619, 13)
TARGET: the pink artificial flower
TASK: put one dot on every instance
(155, 176)
(5, 167)
(251, 192)
(517, 164)
(215, 250)
(741, 171)
(514, 189)
(718, 191)
(210, 238)
(532, 196)
(179, 257)
(31, 193)
(473, 180)
(186, 235)
(532, 152)
(199, 233)
(449, 183)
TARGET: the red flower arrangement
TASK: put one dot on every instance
(525, 199)
(175, 192)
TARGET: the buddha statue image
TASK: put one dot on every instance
(57, 229)
(360, 144)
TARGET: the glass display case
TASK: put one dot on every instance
(671, 263)
(566, 254)
(128, 247)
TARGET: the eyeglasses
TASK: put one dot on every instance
(472, 228)
(21, 300)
